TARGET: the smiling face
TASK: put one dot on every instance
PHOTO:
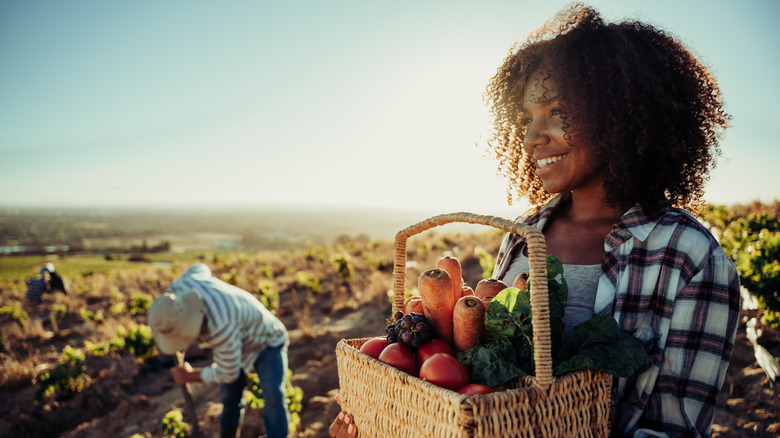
(562, 164)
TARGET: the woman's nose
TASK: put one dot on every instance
(536, 135)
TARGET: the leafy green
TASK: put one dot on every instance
(508, 350)
(599, 344)
(492, 364)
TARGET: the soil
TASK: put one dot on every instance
(124, 396)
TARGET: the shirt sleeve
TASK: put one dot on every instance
(226, 352)
(696, 354)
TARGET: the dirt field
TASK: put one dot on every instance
(124, 396)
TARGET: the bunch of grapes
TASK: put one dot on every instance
(413, 329)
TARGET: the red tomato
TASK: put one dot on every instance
(444, 370)
(474, 389)
(400, 356)
(373, 347)
(432, 347)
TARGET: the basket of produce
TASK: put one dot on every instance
(458, 364)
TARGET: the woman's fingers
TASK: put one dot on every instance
(335, 427)
(342, 427)
(348, 429)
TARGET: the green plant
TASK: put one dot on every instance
(138, 340)
(268, 294)
(173, 425)
(230, 277)
(117, 309)
(486, 261)
(753, 243)
(57, 310)
(254, 397)
(15, 313)
(424, 249)
(66, 378)
(267, 271)
(378, 262)
(96, 317)
(315, 253)
(309, 281)
(99, 349)
(139, 302)
(343, 266)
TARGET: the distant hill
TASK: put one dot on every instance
(58, 230)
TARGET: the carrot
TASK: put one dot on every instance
(409, 300)
(468, 320)
(466, 291)
(452, 266)
(489, 286)
(414, 305)
(521, 281)
(435, 288)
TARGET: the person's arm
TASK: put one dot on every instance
(226, 352)
(696, 354)
(183, 374)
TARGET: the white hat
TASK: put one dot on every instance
(47, 267)
(176, 319)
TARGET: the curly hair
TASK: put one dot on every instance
(651, 111)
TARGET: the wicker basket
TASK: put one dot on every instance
(386, 402)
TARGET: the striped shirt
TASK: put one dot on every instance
(668, 282)
(237, 328)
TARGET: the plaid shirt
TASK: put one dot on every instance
(35, 288)
(669, 283)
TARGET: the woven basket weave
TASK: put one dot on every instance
(386, 402)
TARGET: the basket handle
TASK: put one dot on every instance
(537, 250)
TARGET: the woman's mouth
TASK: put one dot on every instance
(544, 162)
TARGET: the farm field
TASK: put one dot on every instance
(322, 292)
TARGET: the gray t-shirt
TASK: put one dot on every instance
(582, 282)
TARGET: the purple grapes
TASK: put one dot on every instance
(412, 329)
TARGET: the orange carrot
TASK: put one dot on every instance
(489, 286)
(468, 320)
(466, 291)
(435, 288)
(415, 305)
(521, 281)
(409, 300)
(452, 266)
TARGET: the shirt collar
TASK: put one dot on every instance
(636, 223)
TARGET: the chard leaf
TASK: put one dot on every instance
(507, 313)
(492, 363)
(599, 344)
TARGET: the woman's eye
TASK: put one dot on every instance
(555, 112)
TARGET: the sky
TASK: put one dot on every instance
(332, 103)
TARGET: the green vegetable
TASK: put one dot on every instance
(507, 353)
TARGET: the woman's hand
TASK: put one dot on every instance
(343, 426)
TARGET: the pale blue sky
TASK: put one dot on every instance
(341, 102)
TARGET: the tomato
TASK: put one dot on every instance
(400, 356)
(373, 347)
(432, 347)
(475, 389)
(444, 370)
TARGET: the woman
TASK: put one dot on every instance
(610, 131)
